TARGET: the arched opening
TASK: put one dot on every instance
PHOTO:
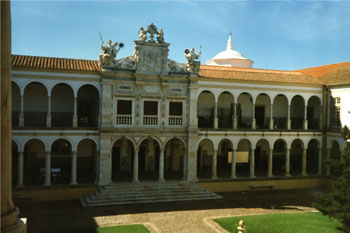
(335, 154)
(205, 159)
(225, 110)
(15, 155)
(174, 159)
(223, 161)
(34, 163)
(149, 160)
(86, 161)
(297, 109)
(206, 104)
(262, 150)
(296, 156)
(262, 111)
(61, 162)
(35, 104)
(244, 111)
(312, 153)
(122, 160)
(16, 104)
(280, 112)
(88, 104)
(313, 113)
(62, 106)
(279, 158)
(243, 158)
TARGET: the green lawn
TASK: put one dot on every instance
(282, 223)
(123, 229)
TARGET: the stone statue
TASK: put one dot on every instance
(241, 227)
(193, 65)
(109, 53)
(160, 36)
(142, 34)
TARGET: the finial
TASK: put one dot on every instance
(229, 42)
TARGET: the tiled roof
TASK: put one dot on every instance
(323, 70)
(337, 77)
(20, 61)
(246, 74)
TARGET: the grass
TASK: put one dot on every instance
(136, 228)
(282, 223)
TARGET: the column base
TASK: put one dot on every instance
(270, 176)
(47, 184)
(214, 177)
(252, 177)
(304, 174)
(161, 180)
(19, 186)
(233, 177)
(10, 223)
(73, 183)
(288, 175)
(135, 181)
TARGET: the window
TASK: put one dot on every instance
(335, 113)
(124, 112)
(150, 113)
(175, 113)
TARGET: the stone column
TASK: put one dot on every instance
(48, 117)
(305, 118)
(319, 172)
(233, 165)
(20, 169)
(161, 165)
(252, 164)
(215, 115)
(99, 112)
(287, 165)
(74, 169)
(47, 169)
(271, 116)
(288, 118)
(214, 165)
(185, 164)
(75, 116)
(270, 160)
(303, 173)
(9, 213)
(328, 167)
(136, 166)
(21, 114)
(235, 116)
(253, 117)
(320, 123)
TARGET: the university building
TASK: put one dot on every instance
(148, 118)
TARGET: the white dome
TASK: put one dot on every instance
(229, 54)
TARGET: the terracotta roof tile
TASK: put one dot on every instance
(319, 71)
(20, 61)
(339, 76)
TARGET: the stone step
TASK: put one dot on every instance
(117, 194)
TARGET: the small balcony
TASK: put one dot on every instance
(150, 120)
(124, 119)
(175, 120)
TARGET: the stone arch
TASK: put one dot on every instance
(206, 109)
(149, 154)
(61, 161)
(88, 106)
(225, 108)
(280, 148)
(280, 111)
(22, 145)
(175, 137)
(244, 149)
(314, 112)
(262, 150)
(205, 158)
(296, 155)
(86, 161)
(62, 105)
(24, 86)
(223, 165)
(122, 159)
(297, 112)
(76, 89)
(34, 162)
(262, 111)
(312, 156)
(174, 158)
(244, 110)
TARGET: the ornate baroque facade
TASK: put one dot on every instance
(146, 117)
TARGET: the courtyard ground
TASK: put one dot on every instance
(179, 217)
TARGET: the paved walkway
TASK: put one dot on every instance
(179, 217)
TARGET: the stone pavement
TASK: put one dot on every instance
(179, 217)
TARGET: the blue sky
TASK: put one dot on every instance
(282, 35)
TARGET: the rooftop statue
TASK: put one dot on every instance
(152, 31)
(109, 52)
(193, 65)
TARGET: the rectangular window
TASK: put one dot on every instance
(150, 108)
(124, 107)
(335, 112)
(175, 109)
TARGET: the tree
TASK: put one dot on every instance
(336, 202)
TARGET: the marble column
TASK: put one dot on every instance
(253, 117)
(288, 118)
(9, 213)
(75, 116)
(271, 116)
(270, 160)
(20, 169)
(215, 115)
(303, 173)
(214, 165)
(48, 117)
(21, 114)
(319, 171)
(252, 164)
(305, 118)
(47, 168)
(233, 165)
(136, 166)
(287, 165)
(161, 165)
(74, 169)
(235, 116)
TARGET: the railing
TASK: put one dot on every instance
(244, 122)
(35, 118)
(297, 122)
(280, 122)
(150, 120)
(86, 121)
(263, 124)
(225, 121)
(313, 123)
(205, 122)
(61, 119)
(15, 119)
(124, 120)
(175, 120)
